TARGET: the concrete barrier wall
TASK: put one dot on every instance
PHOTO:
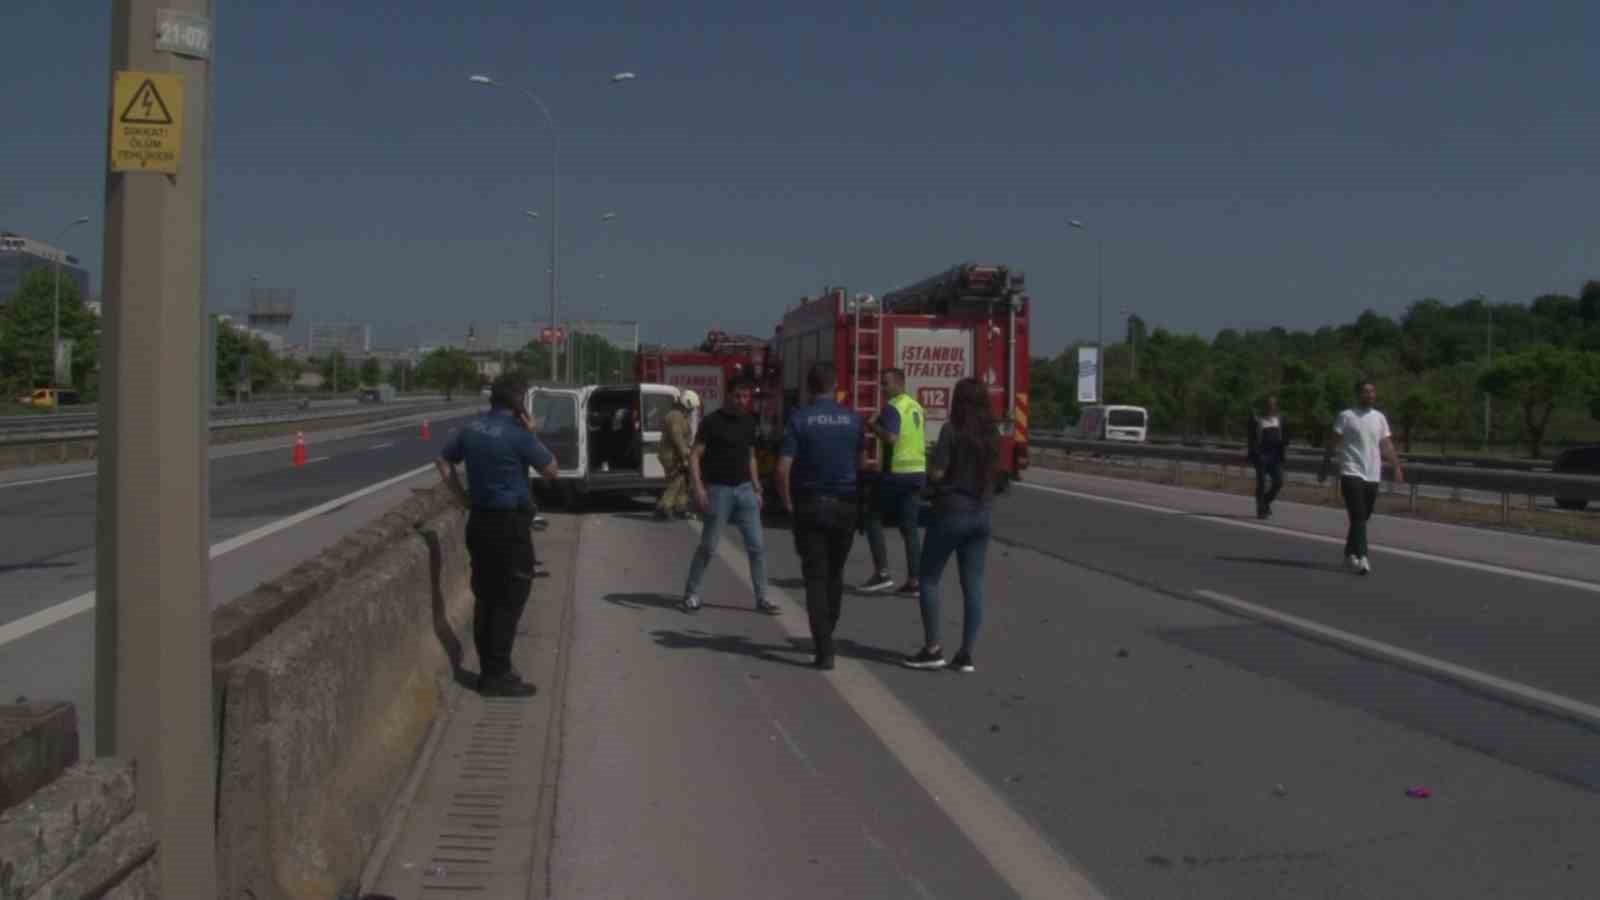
(79, 837)
(329, 680)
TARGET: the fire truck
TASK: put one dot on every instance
(969, 320)
(706, 369)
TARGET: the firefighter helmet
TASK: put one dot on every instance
(689, 399)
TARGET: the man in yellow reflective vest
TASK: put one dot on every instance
(901, 427)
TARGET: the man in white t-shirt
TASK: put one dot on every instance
(1363, 433)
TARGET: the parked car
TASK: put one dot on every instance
(45, 398)
(1577, 461)
(381, 394)
(1114, 423)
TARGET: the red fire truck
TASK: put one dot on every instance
(706, 369)
(967, 321)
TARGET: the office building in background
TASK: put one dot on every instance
(21, 255)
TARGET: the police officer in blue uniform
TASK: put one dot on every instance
(817, 467)
(498, 450)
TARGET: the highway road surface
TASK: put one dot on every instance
(259, 529)
(1126, 735)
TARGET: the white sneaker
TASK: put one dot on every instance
(1366, 567)
(1353, 562)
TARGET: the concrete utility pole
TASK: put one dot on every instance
(153, 616)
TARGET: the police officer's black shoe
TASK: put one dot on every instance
(823, 662)
(507, 685)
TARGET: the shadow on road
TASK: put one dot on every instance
(736, 644)
(1532, 741)
(1284, 563)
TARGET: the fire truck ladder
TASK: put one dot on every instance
(868, 362)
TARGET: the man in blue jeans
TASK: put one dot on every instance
(727, 485)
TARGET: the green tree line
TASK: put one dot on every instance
(1432, 364)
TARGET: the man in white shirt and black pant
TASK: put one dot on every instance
(1364, 434)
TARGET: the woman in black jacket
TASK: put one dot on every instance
(961, 474)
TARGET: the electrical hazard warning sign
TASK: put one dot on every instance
(147, 122)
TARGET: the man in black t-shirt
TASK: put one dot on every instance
(722, 468)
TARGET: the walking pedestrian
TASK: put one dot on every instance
(963, 474)
(1363, 433)
(498, 450)
(727, 487)
(817, 467)
(675, 449)
(901, 429)
(1266, 448)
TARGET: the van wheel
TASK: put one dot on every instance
(1572, 503)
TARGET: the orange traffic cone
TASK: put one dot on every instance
(299, 448)
(426, 434)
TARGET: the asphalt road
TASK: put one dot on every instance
(47, 536)
(1153, 744)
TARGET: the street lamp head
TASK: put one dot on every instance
(1075, 223)
(531, 213)
(481, 79)
(81, 220)
(608, 217)
(623, 76)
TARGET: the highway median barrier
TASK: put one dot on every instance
(328, 681)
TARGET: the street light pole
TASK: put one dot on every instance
(555, 207)
(1133, 348)
(55, 331)
(555, 198)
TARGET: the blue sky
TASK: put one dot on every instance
(1247, 164)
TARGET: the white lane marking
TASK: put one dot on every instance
(44, 618)
(1490, 568)
(1029, 863)
(1501, 688)
(316, 459)
(11, 484)
(383, 446)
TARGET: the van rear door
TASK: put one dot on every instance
(557, 423)
(655, 400)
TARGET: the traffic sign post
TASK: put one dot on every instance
(152, 597)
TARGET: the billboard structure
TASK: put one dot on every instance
(349, 338)
(1088, 375)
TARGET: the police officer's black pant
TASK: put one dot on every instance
(824, 529)
(500, 545)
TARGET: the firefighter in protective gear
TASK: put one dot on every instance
(675, 445)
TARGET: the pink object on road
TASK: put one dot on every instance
(1419, 793)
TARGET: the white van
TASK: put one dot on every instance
(1114, 423)
(606, 439)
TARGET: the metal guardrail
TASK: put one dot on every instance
(238, 417)
(1473, 462)
(1505, 482)
(66, 426)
